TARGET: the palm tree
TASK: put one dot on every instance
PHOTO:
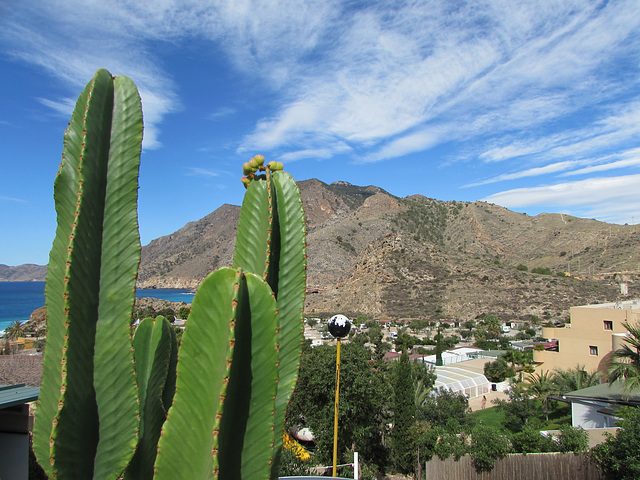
(574, 379)
(541, 385)
(625, 365)
(14, 330)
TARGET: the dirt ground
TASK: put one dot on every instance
(476, 403)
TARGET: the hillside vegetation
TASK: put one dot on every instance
(386, 257)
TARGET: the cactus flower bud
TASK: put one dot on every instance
(272, 165)
(245, 181)
(259, 160)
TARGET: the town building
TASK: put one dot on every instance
(590, 338)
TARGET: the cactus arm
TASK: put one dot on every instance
(74, 432)
(65, 194)
(170, 383)
(202, 376)
(291, 294)
(114, 379)
(154, 353)
(246, 428)
(253, 227)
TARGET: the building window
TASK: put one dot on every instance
(608, 325)
(593, 350)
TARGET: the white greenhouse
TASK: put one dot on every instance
(456, 379)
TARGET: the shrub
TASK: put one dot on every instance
(487, 446)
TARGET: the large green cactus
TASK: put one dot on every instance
(272, 229)
(88, 363)
(241, 349)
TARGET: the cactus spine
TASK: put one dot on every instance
(240, 351)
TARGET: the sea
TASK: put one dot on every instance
(19, 299)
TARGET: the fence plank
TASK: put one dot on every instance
(534, 466)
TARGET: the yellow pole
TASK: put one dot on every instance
(335, 423)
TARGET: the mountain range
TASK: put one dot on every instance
(372, 253)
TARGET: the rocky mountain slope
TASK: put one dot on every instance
(23, 273)
(386, 257)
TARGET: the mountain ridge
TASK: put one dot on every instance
(372, 253)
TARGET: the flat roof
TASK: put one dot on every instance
(623, 305)
(11, 395)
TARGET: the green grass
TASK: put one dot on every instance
(491, 417)
(559, 414)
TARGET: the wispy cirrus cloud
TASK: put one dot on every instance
(592, 197)
(12, 199)
(531, 172)
(202, 172)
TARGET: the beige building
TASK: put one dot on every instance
(594, 333)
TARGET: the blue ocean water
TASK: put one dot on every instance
(19, 299)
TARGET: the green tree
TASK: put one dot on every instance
(404, 341)
(541, 385)
(445, 407)
(184, 312)
(417, 325)
(14, 330)
(487, 446)
(498, 370)
(625, 365)
(574, 379)
(375, 334)
(618, 455)
(403, 413)
(364, 402)
(451, 444)
(518, 410)
(421, 443)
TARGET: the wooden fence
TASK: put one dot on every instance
(533, 466)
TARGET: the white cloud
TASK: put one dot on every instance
(600, 198)
(531, 172)
(222, 112)
(202, 172)
(359, 74)
(64, 106)
(12, 199)
(415, 142)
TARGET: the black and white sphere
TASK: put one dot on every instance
(339, 326)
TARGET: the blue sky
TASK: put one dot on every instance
(531, 105)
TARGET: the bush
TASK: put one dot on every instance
(498, 371)
(522, 268)
(541, 271)
(292, 466)
(573, 439)
(487, 446)
(529, 440)
(618, 455)
(451, 444)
